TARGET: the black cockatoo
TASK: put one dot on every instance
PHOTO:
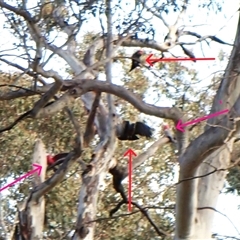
(129, 131)
(137, 59)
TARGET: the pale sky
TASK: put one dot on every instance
(221, 25)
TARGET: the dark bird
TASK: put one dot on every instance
(136, 59)
(129, 131)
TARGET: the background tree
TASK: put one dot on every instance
(41, 100)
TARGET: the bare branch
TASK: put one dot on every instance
(94, 85)
(19, 87)
(163, 47)
(49, 109)
(25, 14)
(90, 130)
(25, 70)
(101, 86)
(211, 208)
(201, 38)
(56, 106)
(19, 119)
(156, 13)
(89, 57)
(143, 210)
(171, 207)
(211, 172)
(78, 140)
(38, 106)
(225, 236)
(145, 213)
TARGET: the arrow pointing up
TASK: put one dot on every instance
(131, 153)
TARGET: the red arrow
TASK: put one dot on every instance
(130, 152)
(38, 168)
(181, 125)
(151, 60)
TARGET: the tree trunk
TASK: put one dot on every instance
(197, 199)
(31, 213)
(209, 188)
(92, 178)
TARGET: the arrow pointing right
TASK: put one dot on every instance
(38, 168)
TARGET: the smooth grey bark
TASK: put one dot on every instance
(37, 210)
(210, 151)
(32, 212)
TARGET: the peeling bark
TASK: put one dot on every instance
(91, 179)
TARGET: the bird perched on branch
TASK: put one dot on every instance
(129, 131)
(138, 58)
(52, 159)
(168, 133)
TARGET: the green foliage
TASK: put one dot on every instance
(17, 145)
(153, 181)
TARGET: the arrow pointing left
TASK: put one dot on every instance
(151, 60)
(181, 125)
(38, 168)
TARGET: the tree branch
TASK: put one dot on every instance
(50, 109)
(108, 72)
(211, 208)
(219, 133)
(90, 129)
(143, 210)
(201, 38)
(94, 85)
